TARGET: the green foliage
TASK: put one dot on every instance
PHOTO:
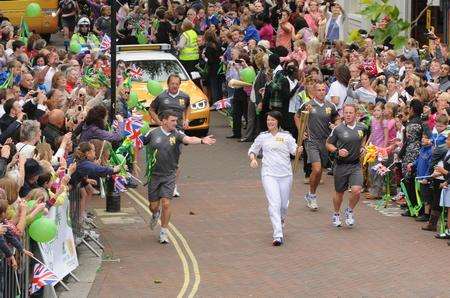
(386, 23)
(355, 37)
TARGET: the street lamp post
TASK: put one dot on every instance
(112, 197)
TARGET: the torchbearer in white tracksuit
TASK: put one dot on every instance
(276, 171)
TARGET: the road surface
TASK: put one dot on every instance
(221, 241)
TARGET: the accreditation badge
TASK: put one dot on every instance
(172, 141)
(360, 134)
(279, 140)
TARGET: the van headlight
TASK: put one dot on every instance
(50, 12)
(199, 105)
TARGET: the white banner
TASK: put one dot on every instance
(60, 254)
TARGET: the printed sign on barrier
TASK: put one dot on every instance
(60, 254)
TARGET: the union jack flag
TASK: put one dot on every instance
(132, 130)
(136, 72)
(222, 104)
(42, 276)
(105, 45)
(119, 183)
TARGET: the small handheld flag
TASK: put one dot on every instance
(42, 276)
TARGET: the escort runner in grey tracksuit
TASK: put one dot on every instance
(346, 141)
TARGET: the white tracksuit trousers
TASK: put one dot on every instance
(278, 191)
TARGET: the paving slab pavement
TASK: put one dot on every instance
(222, 216)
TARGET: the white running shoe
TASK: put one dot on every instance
(311, 201)
(314, 205)
(277, 241)
(349, 219)
(163, 237)
(308, 200)
(176, 194)
(336, 220)
(154, 219)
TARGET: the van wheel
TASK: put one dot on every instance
(47, 37)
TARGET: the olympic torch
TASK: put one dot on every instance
(301, 131)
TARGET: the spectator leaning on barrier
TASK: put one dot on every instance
(45, 95)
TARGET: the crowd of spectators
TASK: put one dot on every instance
(54, 103)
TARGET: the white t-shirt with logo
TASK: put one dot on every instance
(339, 90)
(276, 151)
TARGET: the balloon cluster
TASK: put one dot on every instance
(153, 87)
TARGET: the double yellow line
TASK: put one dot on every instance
(173, 234)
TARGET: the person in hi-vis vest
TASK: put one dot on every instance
(188, 46)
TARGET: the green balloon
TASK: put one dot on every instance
(43, 230)
(133, 100)
(154, 88)
(33, 10)
(75, 47)
(248, 75)
(30, 206)
(145, 128)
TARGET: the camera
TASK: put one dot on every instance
(290, 70)
(353, 47)
(430, 35)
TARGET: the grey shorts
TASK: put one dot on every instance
(316, 152)
(347, 175)
(161, 187)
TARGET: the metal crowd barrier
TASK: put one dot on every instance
(16, 283)
(75, 213)
(79, 233)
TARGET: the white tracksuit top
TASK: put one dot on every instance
(276, 150)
